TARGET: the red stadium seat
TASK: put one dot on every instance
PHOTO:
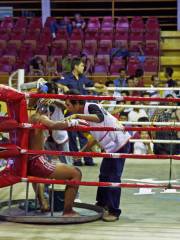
(137, 24)
(151, 65)
(132, 65)
(152, 50)
(152, 24)
(121, 38)
(122, 24)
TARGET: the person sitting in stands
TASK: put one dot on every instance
(64, 23)
(78, 22)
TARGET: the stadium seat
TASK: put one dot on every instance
(122, 24)
(132, 65)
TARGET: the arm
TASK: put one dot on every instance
(87, 117)
(60, 125)
(54, 125)
(91, 142)
(95, 114)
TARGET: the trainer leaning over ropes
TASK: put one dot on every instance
(112, 141)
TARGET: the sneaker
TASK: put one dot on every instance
(78, 163)
(77, 200)
(92, 164)
(109, 217)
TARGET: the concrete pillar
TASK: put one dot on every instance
(46, 10)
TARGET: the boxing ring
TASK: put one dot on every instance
(16, 124)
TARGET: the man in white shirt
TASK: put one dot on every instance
(112, 142)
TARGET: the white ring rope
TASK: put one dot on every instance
(151, 123)
(155, 141)
(136, 88)
(140, 106)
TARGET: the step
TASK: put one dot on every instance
(170, 61)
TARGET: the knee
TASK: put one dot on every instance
(78, 173)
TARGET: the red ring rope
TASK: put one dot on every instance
(110, 98)
(98, 184)
(103, 155)
(11, 124)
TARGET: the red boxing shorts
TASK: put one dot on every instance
(38, 166)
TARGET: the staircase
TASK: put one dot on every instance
(170, 53)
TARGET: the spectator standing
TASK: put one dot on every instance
(77, 80)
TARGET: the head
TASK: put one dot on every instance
(49, 87)
(123, 116)
(84, 57)
(146, 94)
(155, 80)
(77, 66)
(109, 84)
(144, 135)
(170, 103)
(77, 16)
(139, 73)
(168, 72)
(122, 73)
(130, 81)
(74, 106)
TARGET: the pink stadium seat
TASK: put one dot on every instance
(91, 34)
(90, 47)
(21, 24)
(152, 24)
(35, 24)
(137, 24)
(114, 68)
(121, 38)
(152, 37)
(105, 47)
(75, 47)
(48, 22)
(6, 68)
(101, 59)
(134, 39)
(107, 23)
(77, 34)
(152, 50)
(132, 65)
(122, 24)
(93, 23)
(101, 72)
(7, 24)
(61, 34)
(151, 65)
(45, 38)
(11, 49)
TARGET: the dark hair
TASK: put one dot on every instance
(122, 69)
(126, 92)
(139, 72)
(169, 96)
(75, 62)
(52, 87)
(125, 114)
(107, 83)
(169, 71)
(130, 78)
(153, 77)
(143, 119)
(145, 93)
(75, 92)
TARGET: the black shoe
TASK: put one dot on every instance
(78, 163)
(90, 164)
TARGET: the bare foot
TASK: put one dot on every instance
(71, 214)
(45, 206)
